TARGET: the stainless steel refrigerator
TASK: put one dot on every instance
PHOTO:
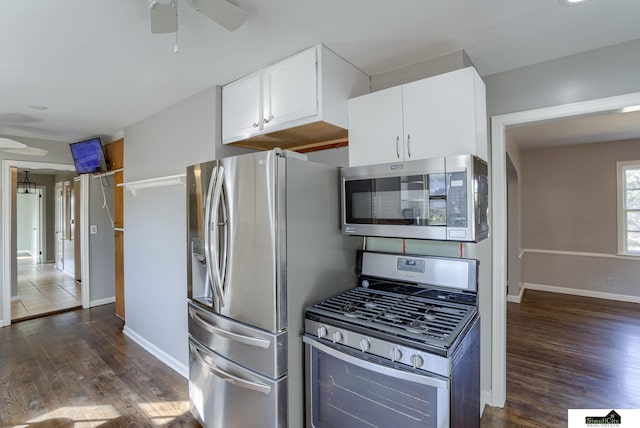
(263, 243)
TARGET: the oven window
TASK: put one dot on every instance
(346, 395)
(415, 200)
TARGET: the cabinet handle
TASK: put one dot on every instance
(409, 144)
(255, 124)
(398, 147)
(266, 120)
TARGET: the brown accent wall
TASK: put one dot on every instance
(569, 196)
(570, 204)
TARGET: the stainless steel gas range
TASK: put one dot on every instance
(400, 350)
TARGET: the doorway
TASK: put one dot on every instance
(499, 126)
(41, 288)
(30, 226)
(43, 276)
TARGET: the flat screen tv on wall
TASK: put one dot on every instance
(88, 156)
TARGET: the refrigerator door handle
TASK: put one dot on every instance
(224, 223)
(207, 234)
(247, 340)
(211, 210)
(228, 377)
(217, 200)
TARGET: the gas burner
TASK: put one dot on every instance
(351, 310)
(429, 317)
(416, 326)
(353, 314)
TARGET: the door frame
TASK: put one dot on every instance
(499, 125)
(7, 266)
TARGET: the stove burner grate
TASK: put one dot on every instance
(415, 317)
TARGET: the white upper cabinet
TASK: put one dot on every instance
(290, 90)
(376, 128)
(242, 108)
(310, 87)
(443, 115)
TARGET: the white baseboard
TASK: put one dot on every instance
(157, 352)
(101, 302)
(579, 292)
(516, 299)
(15, 298)
(485, 400)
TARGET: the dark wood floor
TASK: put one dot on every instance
(566, 352)
(78, 369)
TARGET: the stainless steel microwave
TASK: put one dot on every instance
(443, 198)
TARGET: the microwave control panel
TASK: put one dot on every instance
(457, 199)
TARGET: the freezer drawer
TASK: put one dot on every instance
(224, 394)
(259, 350)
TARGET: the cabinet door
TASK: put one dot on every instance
(439, 115)
(375, 128)
(291, 89)
(241, 108)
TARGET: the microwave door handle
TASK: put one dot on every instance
(207, 233)
(228, 377)
(213, 244)
(256, 342)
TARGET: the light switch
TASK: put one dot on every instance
(94, 229)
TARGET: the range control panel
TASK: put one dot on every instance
(410, 264)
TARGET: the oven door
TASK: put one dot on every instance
(344, 390)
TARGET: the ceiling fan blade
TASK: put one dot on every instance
(224, 13)
(163, 17)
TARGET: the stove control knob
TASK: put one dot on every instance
(365, 345)
(322, 331)
(416, 361)
(337, 337)
(365, 283)
(396, 354)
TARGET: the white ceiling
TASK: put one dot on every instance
(597, 128)
(97, 68)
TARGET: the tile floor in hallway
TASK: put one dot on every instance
(43, 289)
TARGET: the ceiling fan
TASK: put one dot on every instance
(164, 14)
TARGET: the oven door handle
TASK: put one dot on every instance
(228, 377)
(424, 379)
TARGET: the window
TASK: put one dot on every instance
(629, 207)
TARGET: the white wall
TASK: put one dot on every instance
(155, 219)
(594, 74)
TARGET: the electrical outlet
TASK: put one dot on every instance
(94, 229)
(609, 281)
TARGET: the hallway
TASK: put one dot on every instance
(42, 289)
